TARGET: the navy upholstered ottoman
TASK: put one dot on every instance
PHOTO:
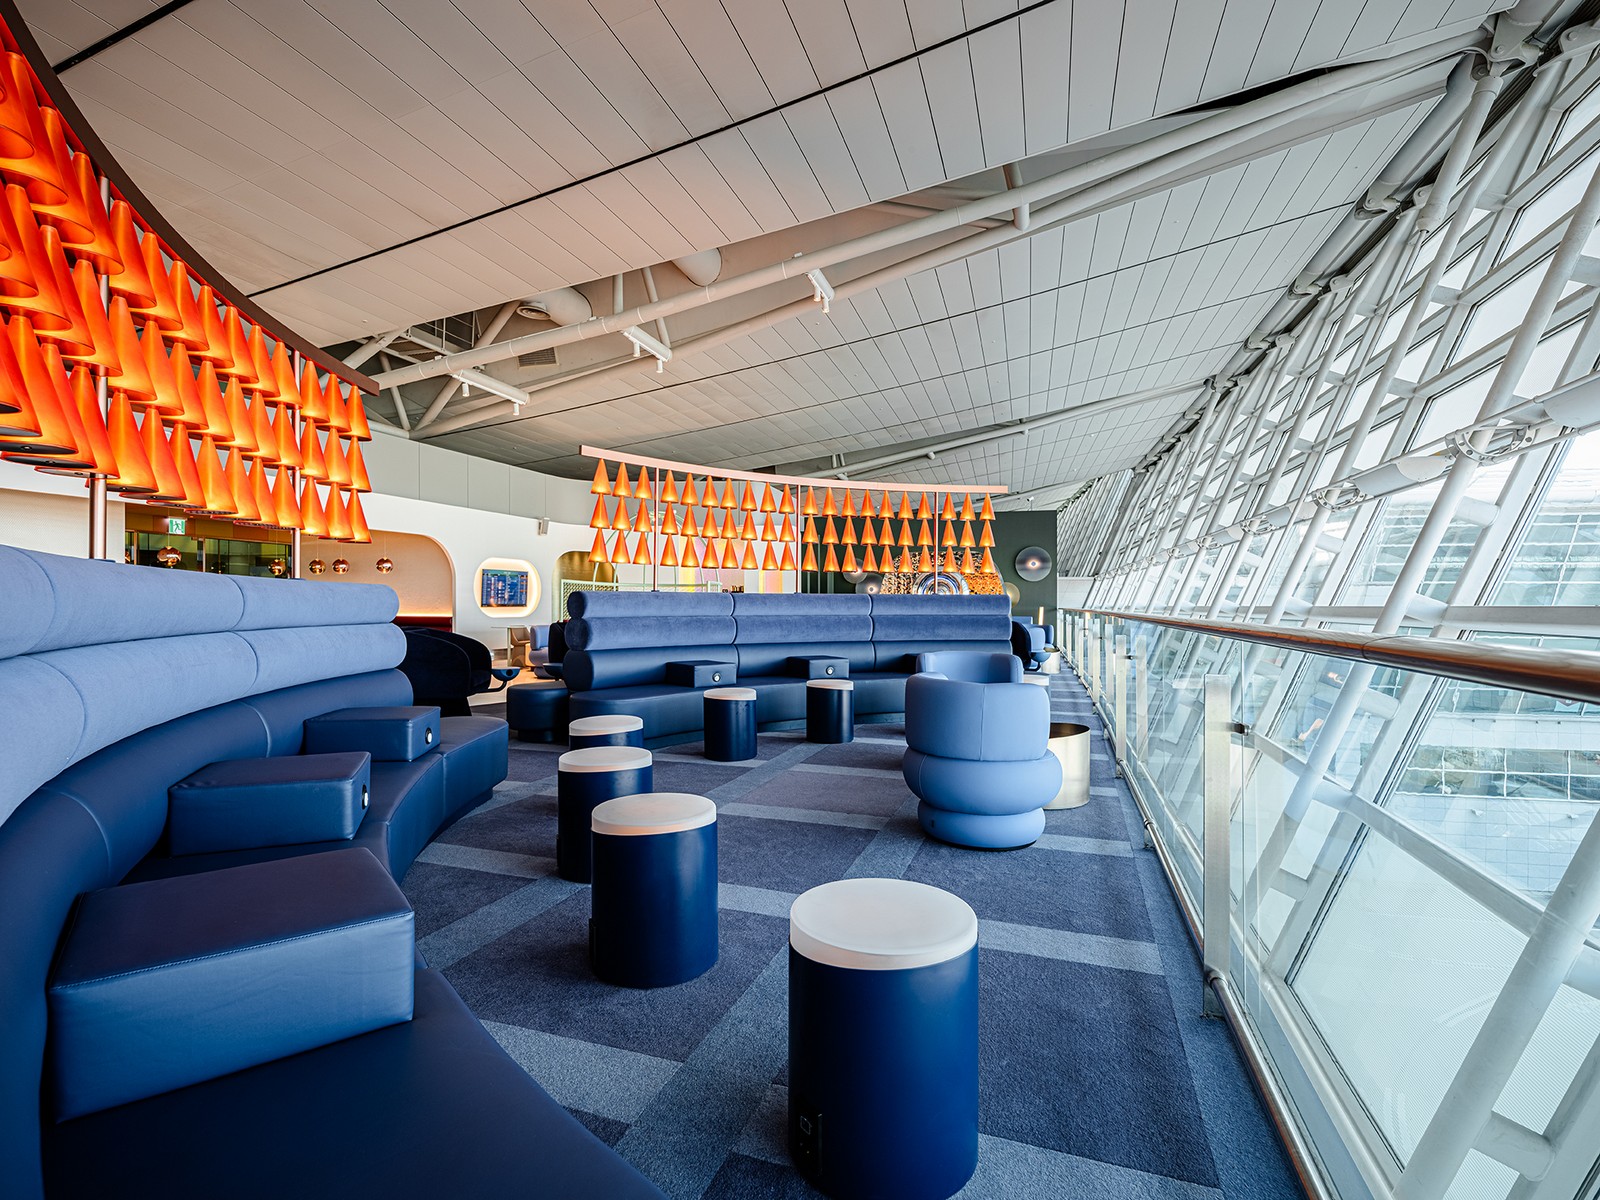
(730, 723)
(246, 803)
(654, 897)
(883, 1039)
(830, 711)
(584, 780)
(537, 712)
(398, 734)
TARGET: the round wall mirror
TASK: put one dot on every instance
(1033, 563)
(870, 585)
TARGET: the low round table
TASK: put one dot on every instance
(1070, 743)
(830, 711)
(654, 889)
(585, 779)
(610, 729)
(537, 710)
(730, 724)
(883, 1039)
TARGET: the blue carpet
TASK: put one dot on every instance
(1098, 1075)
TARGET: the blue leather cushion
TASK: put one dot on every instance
(665, 710)
(779, 697)
(800, 628)
(878, 692)
(941, 618)
(702, 673)
(536, 708)
(585, 670)
(248, 802)
(650, 604)
(902, 656)
(398, 734)
(772, 658)
(972, 666)
(430, 1107)
(475, 756)
(282, 603)
(985, 788)
(819, 666)
(627, 632)
(991, 722)
(168, 983)
(1032, 636)
(284, 712)
(981, 832)
(795, 604)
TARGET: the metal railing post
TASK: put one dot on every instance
(1216, 876)
(1119, 672)
(1141, 698)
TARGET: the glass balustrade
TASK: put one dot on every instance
(1411, 874)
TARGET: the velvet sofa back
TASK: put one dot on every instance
(622, 639)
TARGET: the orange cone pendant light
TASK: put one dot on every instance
(905, 534)
(830, 535)
(691, 527)
(988, 563)
(600, 518)
(338, 410)
(244, 495)
(194, 411)
(283, 501)
(623, 487)
(866, 505)
(169, 484)
(602, 482)
(848, 537)
(869, 535)
(642, 489)
(261, 427)
(786, 563)
(135, 475)
(948, 537)
(786, 505)
(690, 496)
(848, 562)
(22, 138)
(727, 500)
(213, 482)
(948, 512)
(768, 503)
(829, 508)
(848, 509)
(809, 508)
(986, 536)
(966, 508)
(748, 559)
(619, 519)
(988, 509)
(967, 540)
(311, 462)
(194, 495)
(641, 519)
(809, 562)
(192, 333)
(948, 562)
(597, 552)
(244, 435)
(924, 512)
(749, 503)
(786, 534)
(669, 552)
(313, 403)
(288, 447)
(669, 522)
(261, 360)
(924, 560)
(332, 459)
(869, 559)
(967, 565)
(832, 562)
(748, 529)
(338, 519)
(359, 533)
(730, 561)
(907, 563)
(641, 554)
(218, 424)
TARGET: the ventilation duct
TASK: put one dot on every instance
(700, 269)
(564, 306)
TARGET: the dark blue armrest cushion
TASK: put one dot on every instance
(701, 673)
(167, 983)
(388, 734)
(246, 803)
(818, 666)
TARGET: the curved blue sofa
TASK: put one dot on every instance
(976, 751)
(119, 681)
(620, 645)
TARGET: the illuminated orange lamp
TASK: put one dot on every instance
(164, 311)
(869, 535)
(619, 519)
(966, 508)
(748, 529)
(356, 410)
(338, 411)
(948, 562)
(887, 508)
(194, 409)
(641, 519)
(786, 563)
(669, 552)
(948, 512)
(691, 526)
(600, 518)
(869, 559)
(769, 560)
(244, 495)
(100, 350)
(809, 562)
(810, 509)
(169, 484)
(924, 560)
(188, 470)
(987, 565)
(829, 508)
(359, 532)
(135, 475)
(906, 561)
(710, 557)
(832, 561)
(669, 490)
(641, 489)
(267, 444)
(924, 512)
(669, 523)
(215, 410)
(748, 559)
(905, 534)
(690, 497)
(808, 533)
(924, 536)
(948, 537)
(830, 535)
(848, 563)
(213, 482)
(691, 558)
(749, 503)
(727, 500)
(768, 504)
(730, 560)
(313, 401)
(623, 487)
(359, 481)
(132, 375)
(312, 518)
(967, 540)
(786, 505)
(986, 536)
(967, 565)
(987, 514)
(600, 487)
(22, 127)
(597, 552)
(848, 537)
(786, 534)
(283, 501)
(768, 533)
(848, 509)
(82, 410)
(641, 553)
(866, 505)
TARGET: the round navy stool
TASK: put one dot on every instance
(653, 904)
(830, 710)
(730, 722)
(883, 1039)
(611, 729)
(537, 711)
(585, 779)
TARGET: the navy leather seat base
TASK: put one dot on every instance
(536, 713)
(476, 758)
(431, 1107)
(243, 803)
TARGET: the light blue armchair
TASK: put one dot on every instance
(976, 750)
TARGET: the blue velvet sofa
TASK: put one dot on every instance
(625, 651)
(118, 682)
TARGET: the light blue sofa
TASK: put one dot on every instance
(976, 750)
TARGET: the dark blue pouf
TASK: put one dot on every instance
(584, 779)
(611, 729)
(883, 1040)
(537, 712)
(653, 905)
(830, 710)
(730, 723)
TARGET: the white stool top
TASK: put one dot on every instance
(540, 683)
(605, 758)
(730, 694)
(881, 925)
(606, 723)
(833, 685)
(652, 812)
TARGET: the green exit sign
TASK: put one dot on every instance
(177, 524)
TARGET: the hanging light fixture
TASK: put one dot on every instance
(924, 512)
(966, 508)
(924, 560)
(690, 496)
(669, 520)
(748, 559)
(831, 565)
(768, 504)
(848, 562)
(948, 512)
(987, 514)
(848, 537)
(907, 563)
(987, 566)
(641, 490)
(669, 552)
(691, 558)
(730, 560)
(848, 508)
(809, 508)
(830, 535)
(786, 505)
(602, 482)
(597, 552)
(385, 565)
(641, 553)
(948, 537)
(622, 487)
(809, 562)
(786, 562)
(691, 527)
(967, 540)
(749, 503)
(986, 536)
(866, 505)
(619, 519)
(869, 559)
(669, 490)
(829, 508)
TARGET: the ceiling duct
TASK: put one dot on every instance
(702, 268)
(564, 306)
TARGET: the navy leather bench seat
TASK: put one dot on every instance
(620, 646)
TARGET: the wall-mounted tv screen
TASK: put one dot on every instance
(505, 589)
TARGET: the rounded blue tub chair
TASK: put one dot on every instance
(976, 753)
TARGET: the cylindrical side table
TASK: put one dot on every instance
(585, 779)
(1070, 743)
(653, 903)
(883, 1039)
(830, 710)
(609, 729)
(730, 724)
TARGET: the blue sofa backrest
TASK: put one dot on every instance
(770, 628)
(118, 681)
(906, 626)
(618, 639)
